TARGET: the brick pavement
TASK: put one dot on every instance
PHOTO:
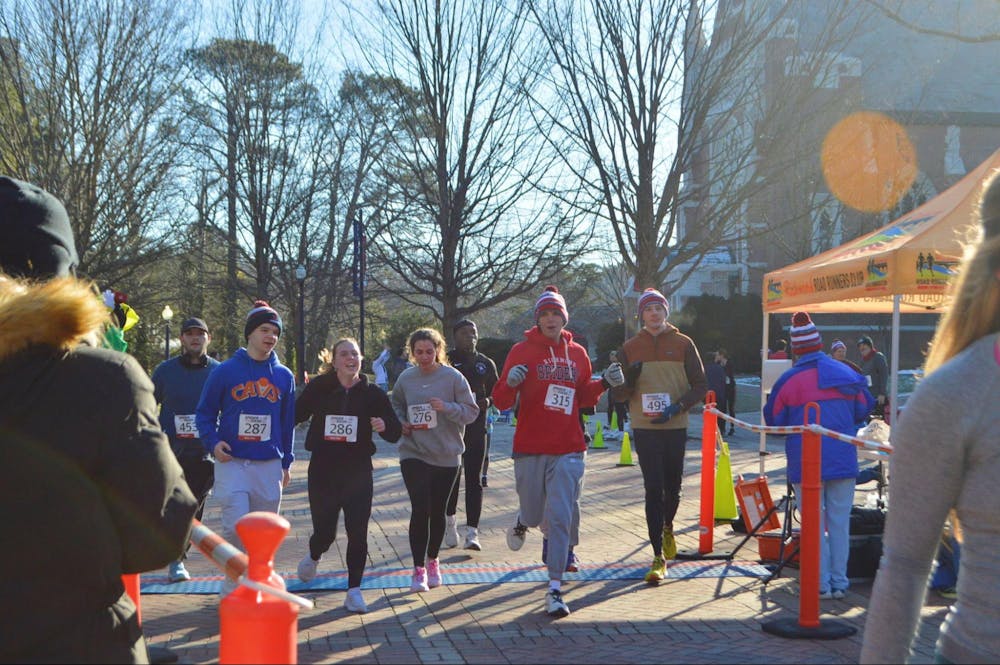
(690, 620)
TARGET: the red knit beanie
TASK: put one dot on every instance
(652, 297)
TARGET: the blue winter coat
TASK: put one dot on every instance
(844, 403)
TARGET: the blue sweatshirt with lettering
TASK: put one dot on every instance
(249, 404)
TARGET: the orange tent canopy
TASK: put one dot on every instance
(914, 257)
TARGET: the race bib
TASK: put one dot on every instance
(184, 426)
(423, 416)
(254, 427)
(559, 398)
(341, 428)
(653, 404)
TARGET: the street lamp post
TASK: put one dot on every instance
(300, 352)
(167, 314)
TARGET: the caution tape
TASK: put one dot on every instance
(798, 429)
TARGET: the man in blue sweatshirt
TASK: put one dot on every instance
(245, 418)
(177, 384)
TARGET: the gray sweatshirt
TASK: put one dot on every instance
(440, 444)
(947, 454)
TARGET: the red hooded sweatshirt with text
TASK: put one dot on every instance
(558, 384)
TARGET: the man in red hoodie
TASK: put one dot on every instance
(549, 374)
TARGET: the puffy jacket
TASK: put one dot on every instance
(541, 429)
(844, 403)
(92, 489)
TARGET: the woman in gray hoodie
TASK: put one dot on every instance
(434, 403)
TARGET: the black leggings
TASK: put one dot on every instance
(429, 487)
(472, 460)
(200, 476)
(661, 458)
(333, 488)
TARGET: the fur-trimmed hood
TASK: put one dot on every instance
(60, 313)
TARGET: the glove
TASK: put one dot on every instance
(614, 375)
(633, 372)
(667, 414)
(515, 376)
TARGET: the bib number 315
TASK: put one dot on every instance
(560, 398)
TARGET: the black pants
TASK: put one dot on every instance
(661, 458)
(472, 460)
(333, 488)
(429, 487)
(200, 476)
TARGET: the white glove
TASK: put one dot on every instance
(515, 376)
(614, 374)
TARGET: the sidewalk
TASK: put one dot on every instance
(705, 620)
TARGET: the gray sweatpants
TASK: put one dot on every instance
(548, 488)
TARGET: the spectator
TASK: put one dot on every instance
(780, 351)
(844, 403)
(92, 490)
(876, 371)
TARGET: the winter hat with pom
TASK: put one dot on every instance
(260, 314)
(551, 299)
(805, 337)
(652, 297)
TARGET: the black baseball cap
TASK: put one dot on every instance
(865, 339)
(193, 322)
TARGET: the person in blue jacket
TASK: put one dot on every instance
(844, 404)
(177, 386)
(245, 418)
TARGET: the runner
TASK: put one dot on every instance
(665, 378)
(345, 410)
(434, 403)
(481, 373)
(177, 386)
(246, 417)
(549, 375)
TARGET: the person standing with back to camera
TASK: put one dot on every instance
(92, 490)
(946, 450)
(664, 378)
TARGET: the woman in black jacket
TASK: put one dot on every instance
(345, 409)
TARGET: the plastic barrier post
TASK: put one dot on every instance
(131, 583)
(808, 624)
(706, 520)
(256, 627)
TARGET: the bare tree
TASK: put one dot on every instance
(646, 106)
(259, 126)
(982, 21)
(87, 115)
(467, 227)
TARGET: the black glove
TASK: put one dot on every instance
(667, 414)
(632, 373)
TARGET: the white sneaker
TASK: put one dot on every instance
(555, 606)
(354, 601)
(472, 539)
(451, 532)
(517, 534)
(177, 572)
(307, 568)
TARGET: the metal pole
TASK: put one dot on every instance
(300, 353)
(166, 340)
(362, 278)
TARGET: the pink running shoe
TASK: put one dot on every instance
(433, 573)
(419, 582)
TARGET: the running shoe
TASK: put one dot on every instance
(419, 582)
(572, 563)
(657, 572)
(354, 601)
(451, 532)
(177, 572)
(307, 568)
(669, 544)
(433, 573)
(472, 539)
(555, 606)
(517, 534)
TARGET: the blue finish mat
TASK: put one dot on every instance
(399, 578)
